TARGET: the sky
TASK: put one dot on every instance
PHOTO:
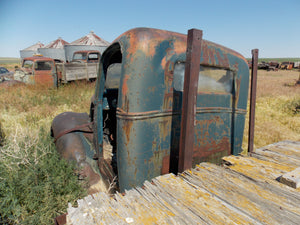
(272, 26)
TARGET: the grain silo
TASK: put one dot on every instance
(31, 50)
(55, 49)
(88, 42)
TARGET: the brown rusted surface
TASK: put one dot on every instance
(69, 121)
(127, 129)
(82, 128)
(61, 220)
(38, 73)
(211, 146)
(165, 164)
(192, 68)
(72, 145)
(252, 99)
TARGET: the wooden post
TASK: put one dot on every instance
(252, 100)
(192, 68)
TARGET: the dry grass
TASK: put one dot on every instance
(276, 116)
(35, 106)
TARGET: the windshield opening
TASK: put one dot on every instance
(27, 64)
(80, 56)
(43, 65)
(211, 79)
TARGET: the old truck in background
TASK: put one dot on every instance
(37, 70)
(133, 130)
(46, 71)
(84, 66)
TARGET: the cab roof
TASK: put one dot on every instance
(38, 58)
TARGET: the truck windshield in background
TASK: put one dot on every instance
(38, 65)
(80, 56)
(86, 56)
(43, 65)
(27, 64)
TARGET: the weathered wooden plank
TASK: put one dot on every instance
(77, 71)
(245, 191)
(245, 194)
(283, 148)
(256, 168)
(201, 202)
(276, 158)
(292, 178)
(182, 215)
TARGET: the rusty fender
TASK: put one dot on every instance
(73, 137)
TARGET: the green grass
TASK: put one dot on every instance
(35, 184)
(8, 60)
(280, 60)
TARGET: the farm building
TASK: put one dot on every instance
(31, 50)
(63, 50)
(54, 49)
(88, 42)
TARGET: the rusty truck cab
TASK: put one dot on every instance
(37, 70)
(138, 103)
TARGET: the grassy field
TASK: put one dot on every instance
(277, 108)
(280, 60)
(10, 63)
(35, 186)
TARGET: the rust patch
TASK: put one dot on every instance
(212, 147)
(168, 101)
(127, 128)
(223, 60)
(125, 86)
(164, 128)
(169, 76)
(165, 164)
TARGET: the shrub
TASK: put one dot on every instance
(36, 185)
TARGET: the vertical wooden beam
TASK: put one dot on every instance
(192, 68)
(252, 100)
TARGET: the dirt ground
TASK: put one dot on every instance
(277, 83)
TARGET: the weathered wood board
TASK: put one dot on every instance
(245, 190)
(78, 71)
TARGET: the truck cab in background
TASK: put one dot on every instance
(37, 70)
(84, 66)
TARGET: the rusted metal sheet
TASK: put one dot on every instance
(148, 102)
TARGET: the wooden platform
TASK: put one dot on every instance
(245, 190)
